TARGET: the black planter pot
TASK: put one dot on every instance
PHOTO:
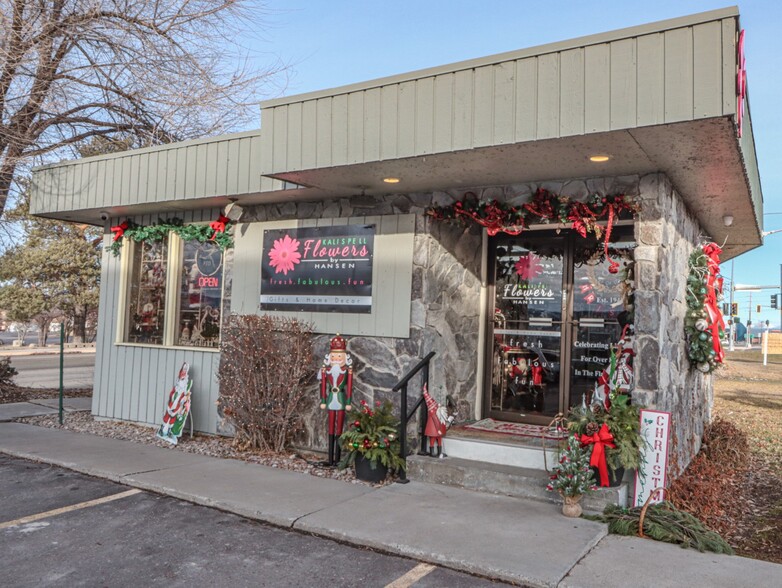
(614, 477)
(365, 472)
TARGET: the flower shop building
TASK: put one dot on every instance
(516, 214)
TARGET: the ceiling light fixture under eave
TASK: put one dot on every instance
(391, 180)
(599, 158)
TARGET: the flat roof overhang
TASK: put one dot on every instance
(701, 158)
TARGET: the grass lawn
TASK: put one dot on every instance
(749, 395)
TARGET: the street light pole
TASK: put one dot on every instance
(730, 311)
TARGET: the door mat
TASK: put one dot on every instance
(518, 429)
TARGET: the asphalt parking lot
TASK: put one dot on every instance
(106, 534)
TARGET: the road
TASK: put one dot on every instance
(135, 538)
(7, 338)
(43, 371)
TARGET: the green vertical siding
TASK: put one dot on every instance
(219, 166)
(622, 80)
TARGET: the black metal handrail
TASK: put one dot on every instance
(406, 416)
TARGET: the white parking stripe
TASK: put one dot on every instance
(412, 576)
(59, 511)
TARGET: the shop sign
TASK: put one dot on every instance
(655, 430)
(318, 269)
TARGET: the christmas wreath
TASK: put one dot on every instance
(214, 231)
(703, 324)
(544, 207)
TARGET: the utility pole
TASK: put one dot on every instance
(732, 289)
(749, 323)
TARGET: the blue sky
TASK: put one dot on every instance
(331, 43)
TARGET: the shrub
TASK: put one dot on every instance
(266, 364)
(7, 374)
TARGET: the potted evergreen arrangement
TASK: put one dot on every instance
(615, 432)
(572, 477)
(370, 444)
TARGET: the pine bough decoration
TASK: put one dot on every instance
(703, 324)
(544, 207)
(663, 522)
(214, 231)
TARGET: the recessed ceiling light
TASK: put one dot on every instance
(599, 158)
(391, 180)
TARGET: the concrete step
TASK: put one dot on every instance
(513, 452)
(502, 479)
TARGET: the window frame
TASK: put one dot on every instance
(174, 265)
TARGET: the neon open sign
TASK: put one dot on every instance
(208, 282)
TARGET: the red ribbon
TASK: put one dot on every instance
(119, 230)
(218, 226)
(602, 439)
(613, 266)
(714, 285)
(494, 218)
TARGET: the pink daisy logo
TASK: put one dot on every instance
(528, 266)
(284, 255)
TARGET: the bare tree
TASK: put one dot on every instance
(156, 70)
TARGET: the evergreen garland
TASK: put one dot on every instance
(543, 207)
(663, 522)
(704, 320)
(158, 231)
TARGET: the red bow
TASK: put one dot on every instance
(713, 286)
(602, 439)
(119, 230)
(218, 226)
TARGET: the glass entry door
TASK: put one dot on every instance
(557, 313)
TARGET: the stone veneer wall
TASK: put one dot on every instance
(445, 308)
(666, 235)
(446, 290)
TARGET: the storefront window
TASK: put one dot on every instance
(147, 296)
(601, 312)
(200, 295)
(175, 293)
(527, 327)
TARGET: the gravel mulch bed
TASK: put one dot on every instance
(305, 463)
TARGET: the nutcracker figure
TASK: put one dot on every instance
(437, 422)
(336, 392)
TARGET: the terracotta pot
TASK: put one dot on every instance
(365, 472)
(572, 506)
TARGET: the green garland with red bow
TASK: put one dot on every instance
(544, 207)
(704, 325)
(215, 231)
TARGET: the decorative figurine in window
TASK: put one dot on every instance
(336, 392)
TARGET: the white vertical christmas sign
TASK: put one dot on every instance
(655, 430)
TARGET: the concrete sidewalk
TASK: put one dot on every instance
(515, 540)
